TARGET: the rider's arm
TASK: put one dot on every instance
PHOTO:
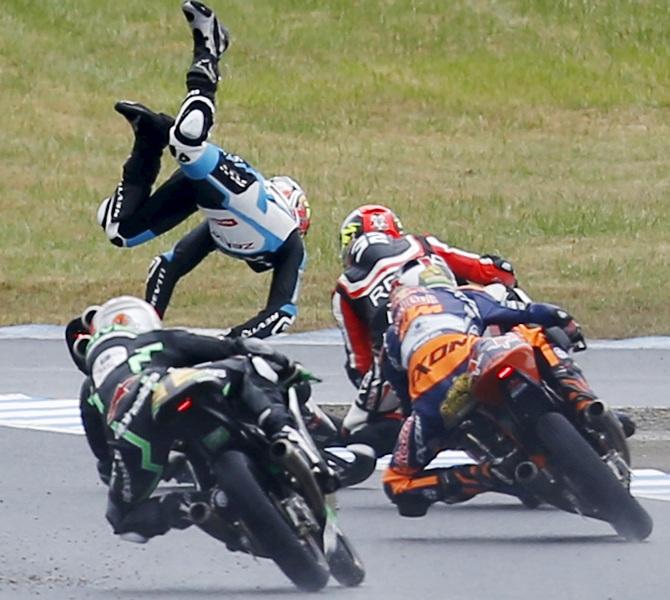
(473, 267)
(392, 369)
(494, 313)
(281, 309)
(188, 349)
(356, 335)
(92, 418)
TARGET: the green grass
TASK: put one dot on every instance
(537, 129)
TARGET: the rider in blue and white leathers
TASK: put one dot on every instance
(246, 216)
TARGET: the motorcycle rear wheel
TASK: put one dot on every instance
(301, 560)
(593, 479)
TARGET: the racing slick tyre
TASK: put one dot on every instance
(593, 481)
(300, 558)
(345, 564)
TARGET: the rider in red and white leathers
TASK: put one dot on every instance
(374, 247)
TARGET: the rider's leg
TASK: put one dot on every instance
(564, 374)
(141, 167)
(166, 269)
(188, 136)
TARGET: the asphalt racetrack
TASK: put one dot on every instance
(55, 542)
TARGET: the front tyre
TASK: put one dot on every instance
(594, 482)
(345, 564)
(301, 560)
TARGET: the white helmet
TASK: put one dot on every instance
(287, 190)
(426, 271)
(127, 311)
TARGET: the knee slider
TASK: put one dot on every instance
(104, 218)
(409, 504)
(191, 128)
(412, 507)
(285, 317)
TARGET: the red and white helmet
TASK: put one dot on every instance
(368, 218)
(287, 190)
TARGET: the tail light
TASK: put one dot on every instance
(505, 372)
(184, 405)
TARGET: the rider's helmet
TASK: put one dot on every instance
(128, 312)
(429, 271)
(365, 219)
(287, 190)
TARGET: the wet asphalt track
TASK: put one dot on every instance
(55, 543)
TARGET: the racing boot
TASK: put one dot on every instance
(413, 492)
(627, 423)
(571, 384)
(151, 129)
(467, 481)
(353, 463)
(322, 426)
(209, 35)
(210, 41)
(177, 468)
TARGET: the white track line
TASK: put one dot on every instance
(62, 416)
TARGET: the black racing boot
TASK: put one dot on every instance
(627, 423)
(151, 129)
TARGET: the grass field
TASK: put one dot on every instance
(537, 129)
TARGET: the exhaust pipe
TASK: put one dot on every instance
(284, 453)
(281, 450)
(200, 512)
(596, 411)
(526, 472)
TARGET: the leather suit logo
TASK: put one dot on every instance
(229, 222)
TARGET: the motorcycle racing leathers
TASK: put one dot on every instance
(435, 333)
(243, 219)
(359, 305)
(132, 449)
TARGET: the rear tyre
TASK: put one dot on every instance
(594, 481)
(301, 560)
